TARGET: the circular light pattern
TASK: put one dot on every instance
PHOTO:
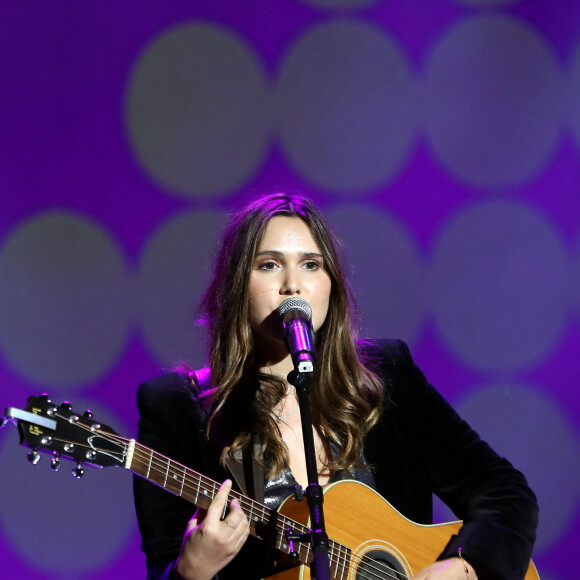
(347, 106)
(528, 428)
(175, 271)
(341, 3)
(576, 278)
(64, 295)
(198, 110)
(494, 3)
(573, 110)
(494, 101)
(91, 519)
(387, 274)
(501, 286)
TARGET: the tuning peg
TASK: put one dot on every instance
(67, 406)
(55, 463)
(33, 457)
(45, 398)
(79, 471)
(88, 413)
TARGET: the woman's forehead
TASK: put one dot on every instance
(287, 233)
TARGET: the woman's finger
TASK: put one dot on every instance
(236, 515)
(216, 508)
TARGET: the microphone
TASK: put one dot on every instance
(296, 316)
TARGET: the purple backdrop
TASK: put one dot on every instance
(442, 139)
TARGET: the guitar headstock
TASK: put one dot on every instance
(58, 430)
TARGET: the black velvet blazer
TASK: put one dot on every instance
(419, 447)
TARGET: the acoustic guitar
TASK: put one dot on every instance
(385, 546)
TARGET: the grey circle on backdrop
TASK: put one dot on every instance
(576, 278)
(494, 101)
(64, 293)
(341, 3)
(573, 108)
(174, 273)
(501, 284)
(61, 525)
(528, 428)
(199, 110)
(486, 3)
(387, 274)
(347, 106)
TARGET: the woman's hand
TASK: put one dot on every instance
(209, 542)
(451, 569)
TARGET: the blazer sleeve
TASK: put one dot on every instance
(173, 422)
(498, 509)
(170, 422)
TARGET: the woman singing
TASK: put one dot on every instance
(375, 419)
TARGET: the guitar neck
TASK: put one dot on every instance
(200, 490)
(175, 477)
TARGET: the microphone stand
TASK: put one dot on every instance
(314, 495)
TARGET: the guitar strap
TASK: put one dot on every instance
(247, 472)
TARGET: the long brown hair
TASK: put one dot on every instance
(241, 398)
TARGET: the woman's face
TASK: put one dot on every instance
(287, 263)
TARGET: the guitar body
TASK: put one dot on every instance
(359, 518)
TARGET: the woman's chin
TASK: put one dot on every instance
(271, 346)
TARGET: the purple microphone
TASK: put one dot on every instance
(296, 316)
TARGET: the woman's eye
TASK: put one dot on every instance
(267, 265)
(312, 265)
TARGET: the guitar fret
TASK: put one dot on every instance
(197, 491)
(339, 559)
(345, 562)
(172, 478)
(307, 552)
(166, 473)
(282, 536)
(335, 559)
(150, 461)
(250, 513)
(182, 483)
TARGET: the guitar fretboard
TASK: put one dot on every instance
(201, 490)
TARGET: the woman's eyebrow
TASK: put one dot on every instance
(273, 253)
(277, 254)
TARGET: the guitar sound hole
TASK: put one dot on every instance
(380, 565)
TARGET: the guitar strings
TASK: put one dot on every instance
(208, 488)
(335, 548)
(163, 468)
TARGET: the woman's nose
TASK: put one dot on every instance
(290, 284)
